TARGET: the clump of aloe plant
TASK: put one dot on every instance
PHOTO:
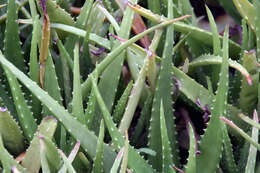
(120, 86)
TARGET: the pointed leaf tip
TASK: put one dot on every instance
(249, 80)
(3, 109)
(15, 170)
(50, 117)
(255, 116)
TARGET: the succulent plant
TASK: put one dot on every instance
(128, 86)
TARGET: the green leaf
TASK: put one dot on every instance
(71, 157)
(51, 84)
(251, 160)
(51, 153)
(118, 159)
(228, 162)
(75, 128)
(56, 13)
(213, 135)
(12, 47)
(77, 106)
(121, 104)
(44, 162)
(46, 128)
(204, 60)
(125, 157)
(135, 161)
(98, 162)
(166, 148)
(241, 132)
(138, 86)
(34, 66)
(110, 77)
(198, 34)
(25, 116)
(216, 46)
(247, 11)
(163, 91)
(7, 160)
(11, 133)
(191, 165)
(248, 93)
(67, 163)
(90, 111)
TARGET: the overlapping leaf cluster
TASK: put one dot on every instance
(83, 95)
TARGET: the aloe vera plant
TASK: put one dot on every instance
(101, 89)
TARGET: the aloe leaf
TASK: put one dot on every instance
(216, 46)
(125, 157)
(66, 63)
(118, 159)
(85, 87)
(7, 160)
(63, 52)
(228, 162)
(12, 47)
(90, 111)
(56, 13)
(52, 87)
(110, 18)
(200, 93)
(166, 148)
(241, 132)
(248, 93)
(152, 73)
(138, 86)
(67, 163)
(87, 66)
(216, 40)
(77, 106)
(33, 8)
(163, 91)
(121, 104)
(235, 83)
(94, 23)
(198, 34)
(111, 75)
(251, 160)
(11, 133)
(247, 11)
(135, 161)
(51, 153)
(25, 116)
(249, 121)
(245, 35)
(46, 128)
(80, 23)
(6, 99)
(191, 165)
(51, 84)
(143, 119)
(79, 32)
(34, 65)
(214, 132)
(71, 157)
(75, 128)
(211, 59)
(97, 167)
(44, 162)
